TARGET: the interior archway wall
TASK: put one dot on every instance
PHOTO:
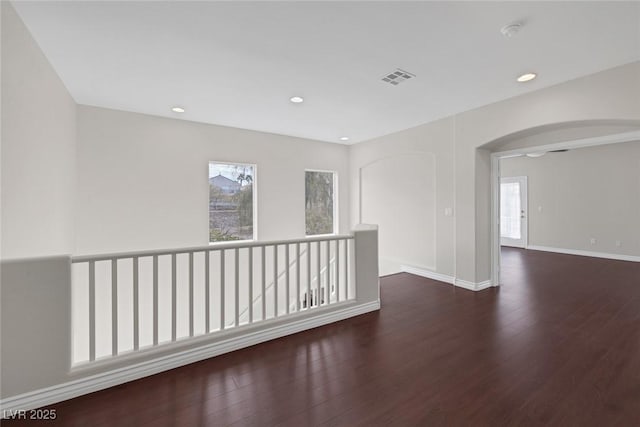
(604, 103)
(586, 133)
(560, 132)
(527, 139)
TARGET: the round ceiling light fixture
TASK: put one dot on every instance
(177, 109)
(296, 99)
(526, 77)
(344, 138)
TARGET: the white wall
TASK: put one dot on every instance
(143, 180)
(417, 164)
(582, 194)
(38, 190)
(38, 148)
(402, 184)
(604, 103)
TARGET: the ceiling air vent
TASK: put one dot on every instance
(397, 77)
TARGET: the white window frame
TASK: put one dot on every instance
(254, 183)
(336, 227)
(523, 242)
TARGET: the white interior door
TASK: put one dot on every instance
(513, 211)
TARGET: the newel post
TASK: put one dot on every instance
(366, 263)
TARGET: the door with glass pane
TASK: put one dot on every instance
(513, 211)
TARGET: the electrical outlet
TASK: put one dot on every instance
(593, 241)
(618, 243)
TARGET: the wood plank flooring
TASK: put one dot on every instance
(557, 345)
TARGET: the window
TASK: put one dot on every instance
(320, 206)
(231, 201)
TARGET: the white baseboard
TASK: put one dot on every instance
(92, 383)
(472, 286)
(427, 273)
(585, 253)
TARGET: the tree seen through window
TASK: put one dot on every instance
(319, 202)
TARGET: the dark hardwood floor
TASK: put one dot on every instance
(557, 344)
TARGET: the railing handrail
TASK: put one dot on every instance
(207, 248)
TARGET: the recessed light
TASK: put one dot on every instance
(177, 109)
(526, 77)
(296, 99)
(537, 154)
(344, 138)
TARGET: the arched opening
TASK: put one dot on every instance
(535, 142)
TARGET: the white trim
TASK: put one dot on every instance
(580, 252)
(524, 206)
(224, 242)
(216, 247)
(472, 286)
(484, 285)
(309, 236)
(79, 387)
(455, 197)
(578, 143)
(495, 220)
(427, 273)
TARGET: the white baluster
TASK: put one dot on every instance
(222, 286)
(136, 305)
(114, 307)
(92, 310)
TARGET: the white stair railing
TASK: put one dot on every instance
(125, 302)
(297, 301)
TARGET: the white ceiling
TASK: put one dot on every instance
(238, 63)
